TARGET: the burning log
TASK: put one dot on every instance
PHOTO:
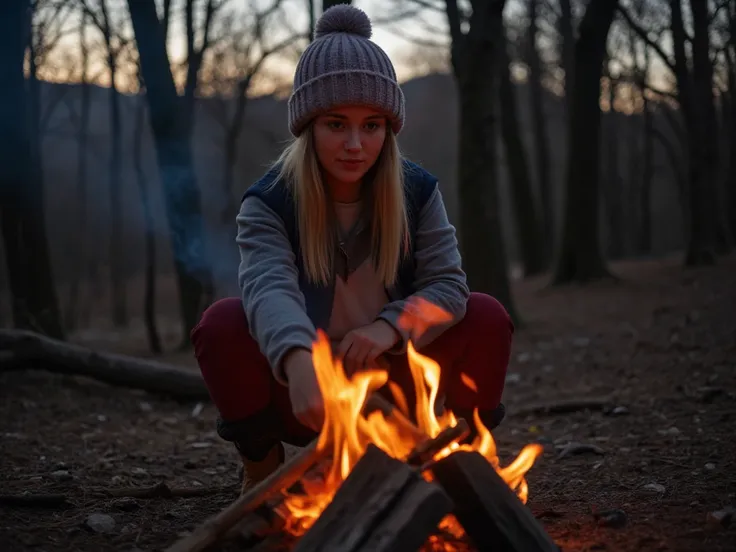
(384, 505)
(492, 515)
(426, 450)
(212, 530)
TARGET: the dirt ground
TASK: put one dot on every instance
(659, 344)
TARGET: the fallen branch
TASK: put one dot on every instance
(67, 358)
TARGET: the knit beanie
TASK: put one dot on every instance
(342, 66)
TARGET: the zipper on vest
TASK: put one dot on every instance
(346, 271)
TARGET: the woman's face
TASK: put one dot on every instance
(348, 141)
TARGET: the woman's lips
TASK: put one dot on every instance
(351, 164)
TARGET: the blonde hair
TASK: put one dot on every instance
(300, 172)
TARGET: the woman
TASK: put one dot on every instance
(339, 235)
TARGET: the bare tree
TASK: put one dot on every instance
(149, 297)
(171, 122)
(539, 122)
(730, 60)
(579, 257)
(34, 301)
(694, 77)
(99, 13)
(528, 225)
(82, 249)
(566, 29)
(475, 41)
(476, 35)
(236, 61)
(611, 181)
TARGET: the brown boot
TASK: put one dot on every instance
(256, 471)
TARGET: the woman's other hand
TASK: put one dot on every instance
(304, 392)
(360, 348)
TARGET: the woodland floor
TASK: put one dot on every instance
(661, 343)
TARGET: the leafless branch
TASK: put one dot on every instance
(644, 35)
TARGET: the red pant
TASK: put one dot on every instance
(255, 410)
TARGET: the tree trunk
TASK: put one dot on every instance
(474, 57)
(579, 257)
(703, 84)
(149, 300)
(117, 250)
(614, 198)
(173, 149)
(232, 135)
(312, 21)
(539, 122)
(568, 47)
(730, 184)
(34, 301)
(527, 221)
(731, 173)
(74, 313)
(645, 195)
(701, 237)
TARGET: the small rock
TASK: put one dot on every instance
(210, 471)
(145, 406)
(655, 487)
(672, 431)
(200, 445)
(140, 472)
(100, 523)
(62, 475)
(513, 377)
(721, 518)
(101, 418)
(197, 410)
(578, 448)
(611, 518)
(620, 411)
(581, 342)
(710, 466)
(547, 368)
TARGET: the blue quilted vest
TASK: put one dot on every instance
(419, 185)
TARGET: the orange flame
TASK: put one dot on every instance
(348, 431)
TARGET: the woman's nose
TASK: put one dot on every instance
(353, 140)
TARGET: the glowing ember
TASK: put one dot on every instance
(348, 431)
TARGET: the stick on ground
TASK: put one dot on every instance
(36, 350)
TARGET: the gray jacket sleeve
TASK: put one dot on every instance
(268, 278)
(439, 276)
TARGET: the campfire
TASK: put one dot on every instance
(375, 480)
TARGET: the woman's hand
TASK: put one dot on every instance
(360, 348)
(304, 392)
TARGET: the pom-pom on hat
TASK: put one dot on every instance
(342, 66)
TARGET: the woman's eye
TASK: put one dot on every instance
(334, 125)
(372, 126)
